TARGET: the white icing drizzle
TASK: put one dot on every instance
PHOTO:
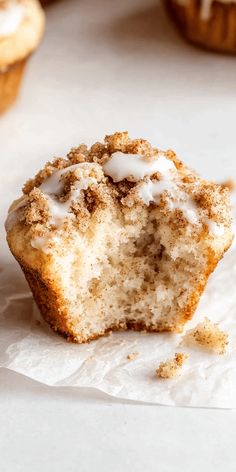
(39, 242)
(151, 191)
(122, 166)
(51, 189)
(53, 186)
(134, 166)
(11, 16)
(119, 167)
(188, 208)
(59, 211)
(42, 243)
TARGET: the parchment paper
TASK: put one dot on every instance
(28, 346)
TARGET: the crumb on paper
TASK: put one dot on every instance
(90, 359)
(133, 356)
(230, 184)
(208, 335)
(172, 367)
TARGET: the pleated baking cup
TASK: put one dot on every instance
(10, 81)
(215, 31)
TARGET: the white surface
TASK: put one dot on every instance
(105, 66)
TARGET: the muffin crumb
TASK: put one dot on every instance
(133, 356)
(172, 367)
(208, 335)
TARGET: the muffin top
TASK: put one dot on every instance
(21, 28)
(129, 174)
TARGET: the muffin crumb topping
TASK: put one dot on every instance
(67, 191)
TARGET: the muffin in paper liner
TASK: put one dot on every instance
(206, 23)
(21, 29)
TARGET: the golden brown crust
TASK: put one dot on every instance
(216, 33)
(191, 306)
(10, 81)
(48, 300)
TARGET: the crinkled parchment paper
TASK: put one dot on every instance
(28, 346)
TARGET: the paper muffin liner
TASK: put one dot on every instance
(216, 31)
(10, 81)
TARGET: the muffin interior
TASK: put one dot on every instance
(125, 278)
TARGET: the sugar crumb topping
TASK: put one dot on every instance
(172, 367)
(208, 335)
(147, 176)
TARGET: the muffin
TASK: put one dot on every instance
(207, 23)
(21, 29)
(118, 236)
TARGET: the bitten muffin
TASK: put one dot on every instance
(120, 235)
(207, 23)
(21, 29)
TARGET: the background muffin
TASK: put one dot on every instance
(21, 29)
(208, 23)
